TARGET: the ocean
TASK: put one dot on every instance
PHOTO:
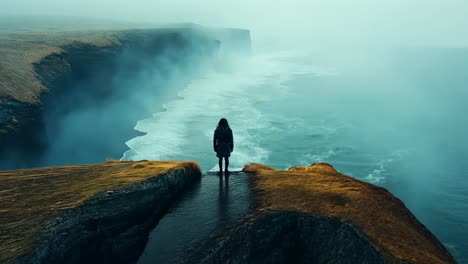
(395, 118)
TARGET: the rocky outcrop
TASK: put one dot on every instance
(86, 214)
(295, 237)
(314, 214)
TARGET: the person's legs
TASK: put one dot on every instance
(220, 163)
(226, 163)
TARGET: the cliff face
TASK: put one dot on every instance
(294, 237)
(86, 214)
(314, 214)
(45, 77)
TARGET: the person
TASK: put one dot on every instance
(223, 143)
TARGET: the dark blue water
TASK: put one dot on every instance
(210, 207)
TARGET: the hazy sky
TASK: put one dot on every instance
(427, 22)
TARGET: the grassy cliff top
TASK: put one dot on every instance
(32, 197)
(19, 51)
(322, 191)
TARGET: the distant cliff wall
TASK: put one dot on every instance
(81, 74)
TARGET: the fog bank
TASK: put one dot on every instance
(281, 23)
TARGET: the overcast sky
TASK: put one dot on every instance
(411, 22)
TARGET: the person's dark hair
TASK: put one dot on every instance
(223, 123)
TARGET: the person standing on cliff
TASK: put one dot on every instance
(223, 143)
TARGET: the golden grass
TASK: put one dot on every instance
(29, 198)
(321, 190)
(20, 51)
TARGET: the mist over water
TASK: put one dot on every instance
(395, 122)
(185, 129)
(88, 118)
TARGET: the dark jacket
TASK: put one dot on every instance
(223, 142)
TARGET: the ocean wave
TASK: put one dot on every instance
(381, 169)
(325, 155)
(185, 128)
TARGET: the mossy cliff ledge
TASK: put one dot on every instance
(86, 214)
(314, 214)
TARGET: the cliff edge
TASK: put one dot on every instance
(86, 214)
(314, 214)
(308, 214)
